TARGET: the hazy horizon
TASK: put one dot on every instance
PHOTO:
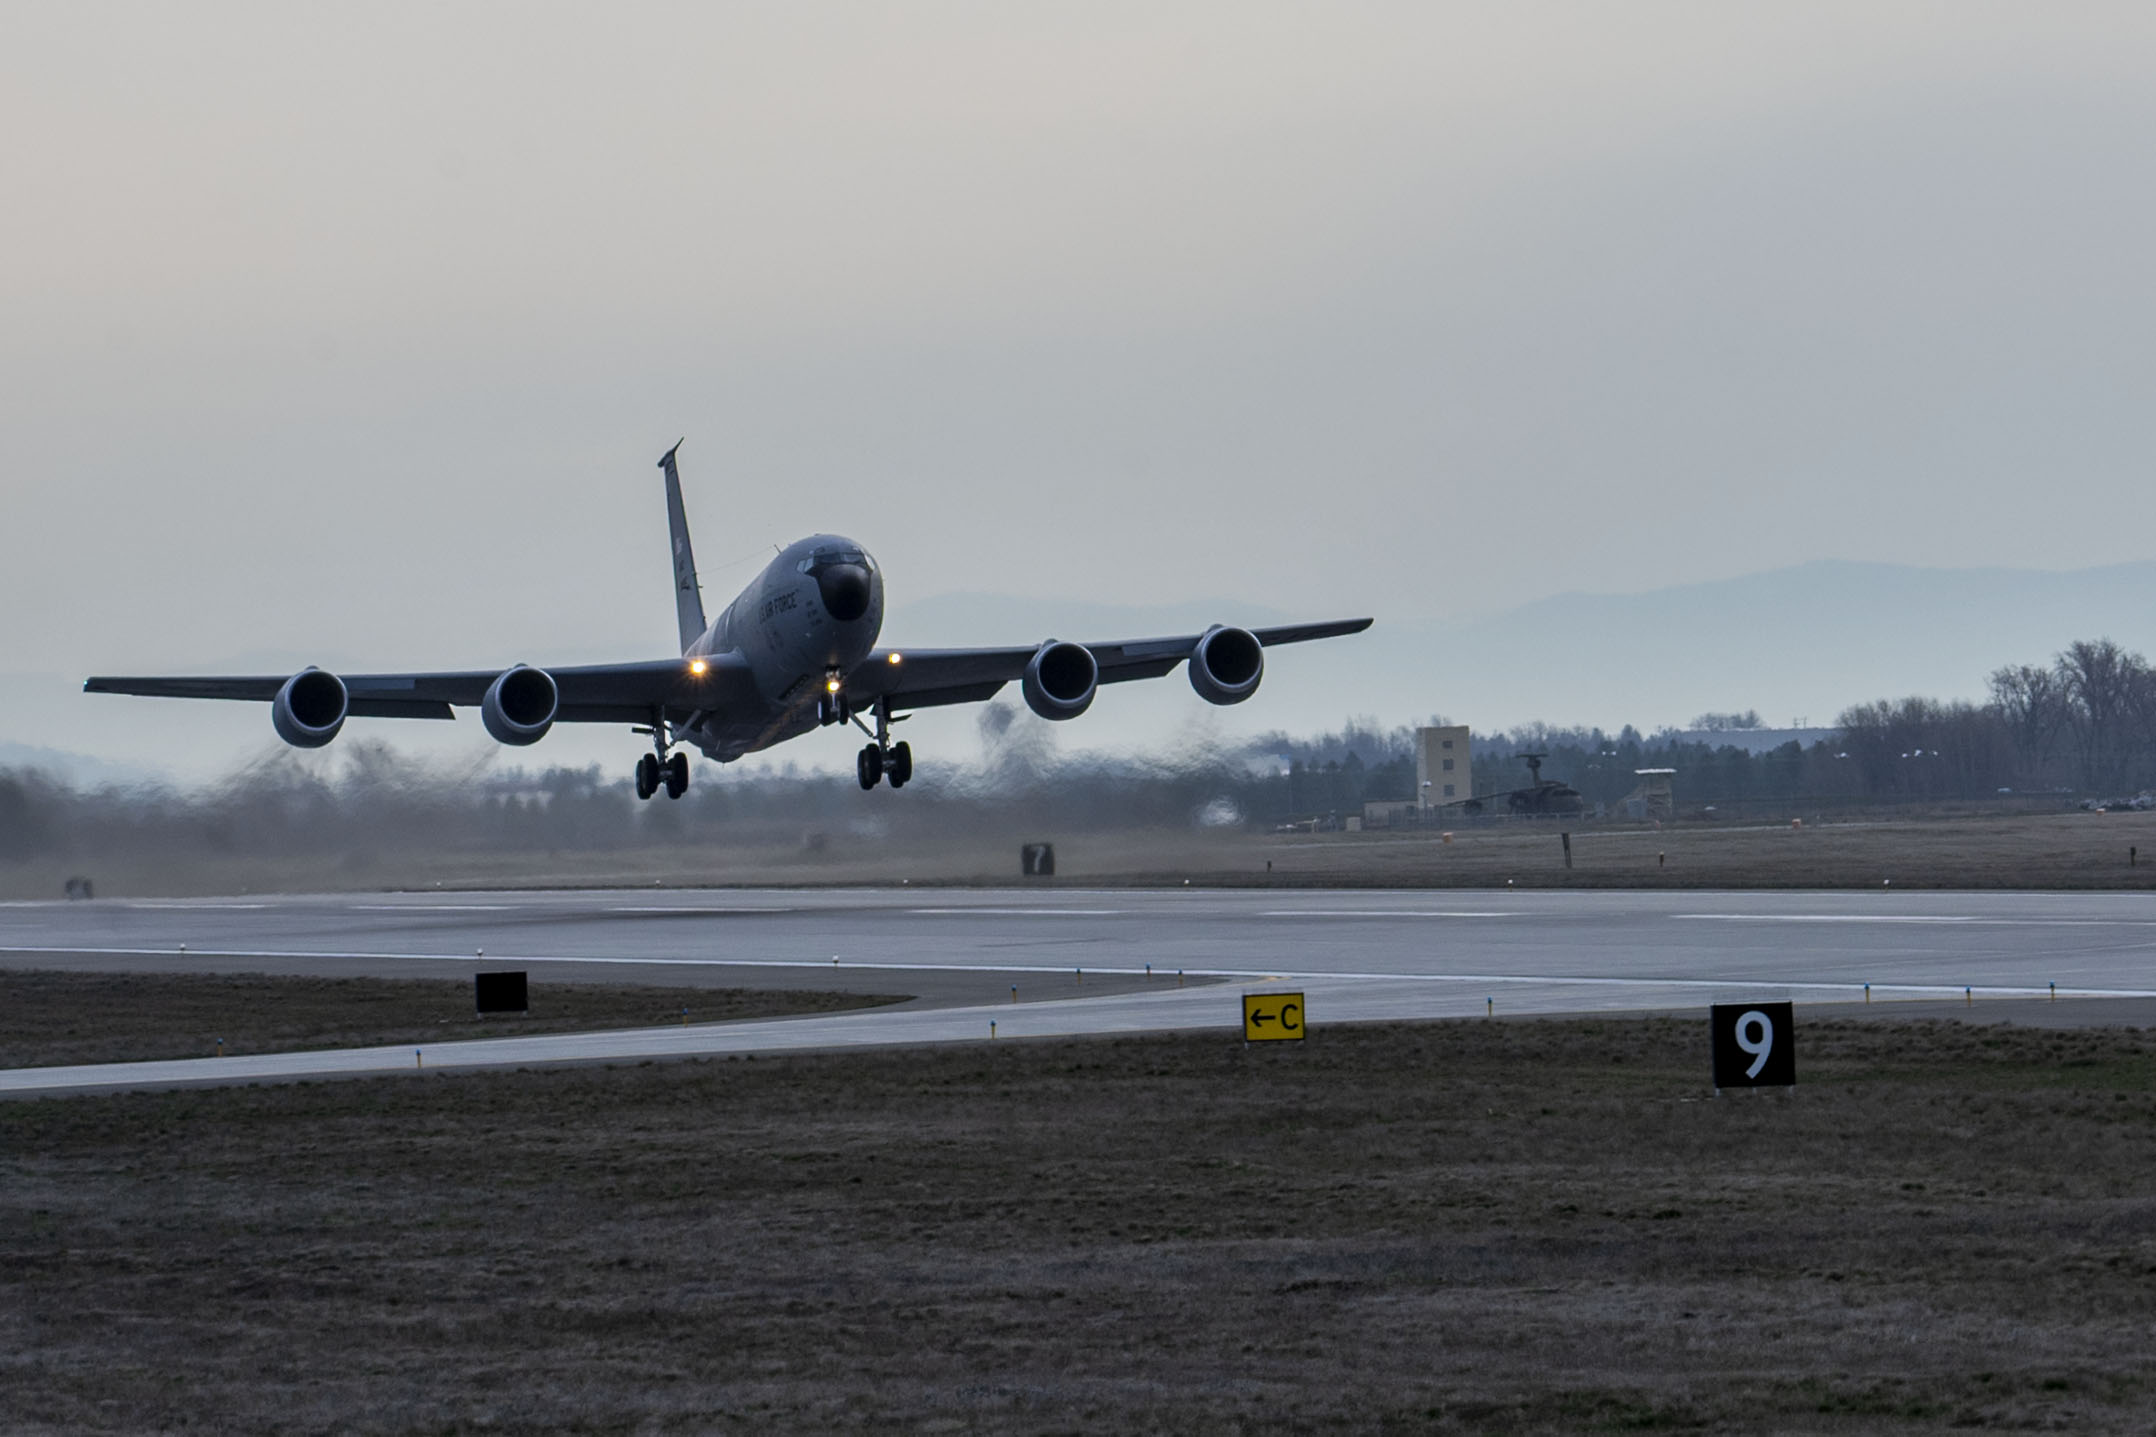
(1797, 644)
(357, 333)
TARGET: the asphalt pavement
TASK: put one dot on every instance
(1064, 961)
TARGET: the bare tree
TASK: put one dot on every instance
(2032, 702)
(2100, 679)
(2141, 703)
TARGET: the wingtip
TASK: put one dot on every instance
(667, 459)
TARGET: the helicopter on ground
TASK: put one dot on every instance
(1541, 798)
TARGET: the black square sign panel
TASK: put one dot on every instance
(500, 993)
(1755, 1045)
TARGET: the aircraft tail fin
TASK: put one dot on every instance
(688, 594)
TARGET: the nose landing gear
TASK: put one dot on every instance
(883, 759)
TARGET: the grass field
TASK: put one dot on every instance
(1948, 849)
(1449, 1227)
(48, 1018)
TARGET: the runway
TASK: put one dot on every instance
(1099, 961)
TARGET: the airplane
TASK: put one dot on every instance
(794, 652)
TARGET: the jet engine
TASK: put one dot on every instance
(310, 708)
(520, 705)
(1226, 665)
(1060, 680)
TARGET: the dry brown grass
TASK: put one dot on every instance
(2029, 851)
(1534, 1226)
(1951, 849)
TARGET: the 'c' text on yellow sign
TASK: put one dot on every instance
(1271, 1017)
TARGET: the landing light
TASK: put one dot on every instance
(832, 687)
(894, 658)
(697, 667)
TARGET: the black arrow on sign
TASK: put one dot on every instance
(1259, 1018)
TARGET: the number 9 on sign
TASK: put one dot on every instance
(1754, 1045)
(1755, 1034)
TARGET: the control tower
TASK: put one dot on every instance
(1442, 772)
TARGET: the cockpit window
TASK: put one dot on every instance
(823, 559)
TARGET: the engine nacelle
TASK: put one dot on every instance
(1060, 680)
(310, 708)
(1226, 665)
(520, 705)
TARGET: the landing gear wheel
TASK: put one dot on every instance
(899, 767)
(868, 767)
(647, 775)
(676, 770)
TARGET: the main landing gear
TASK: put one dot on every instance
(672, 775)
(873, 764)
(661, 769)
(883, 759)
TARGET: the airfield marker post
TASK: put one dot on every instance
(1014, 992)
(991, 1030)
(1867, 992)
(419, 1058)
(1568, 848)
(1489, 1007)
(1178, 977)
(220, 1047)
(1968, 997)
(684, 1017)
(2054, 992)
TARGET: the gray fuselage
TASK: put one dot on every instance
(813, 613)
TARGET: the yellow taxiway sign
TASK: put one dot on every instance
(1272, 1017)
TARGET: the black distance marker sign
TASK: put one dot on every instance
(500, 993)
(1755, 1045)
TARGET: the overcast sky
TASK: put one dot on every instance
(356, 331)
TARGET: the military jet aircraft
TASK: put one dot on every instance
(794, 652)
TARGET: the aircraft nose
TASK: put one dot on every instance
(845, 591)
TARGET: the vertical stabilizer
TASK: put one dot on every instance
(688, 594)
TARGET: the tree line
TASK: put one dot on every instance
(2082, 725)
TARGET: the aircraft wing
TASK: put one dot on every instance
(927, 678)
(594, 693)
